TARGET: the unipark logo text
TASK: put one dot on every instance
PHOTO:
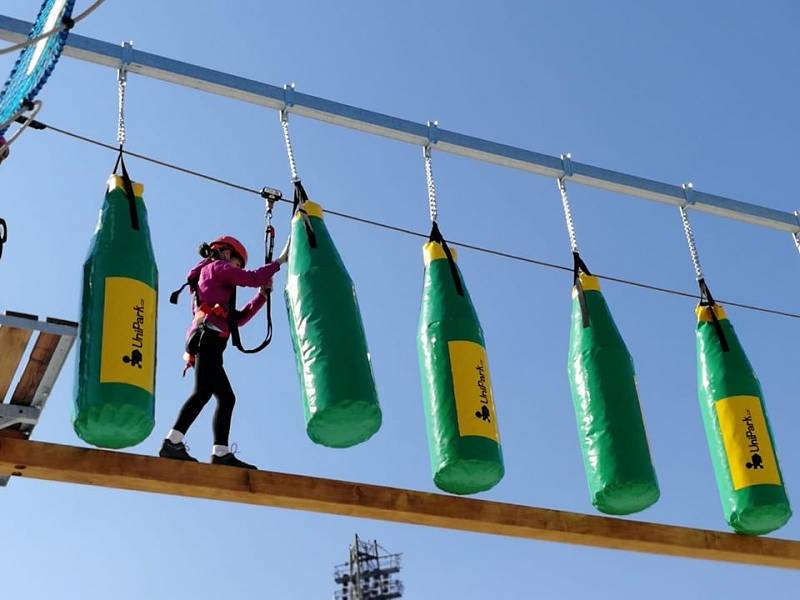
(137, 337)
(483, 413)
(756, 461)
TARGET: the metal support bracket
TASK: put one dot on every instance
(432, 132)
(126, 57)
(566, 164)
(688, 193)
(11, 414)
(288, 98)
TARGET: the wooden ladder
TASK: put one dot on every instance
(20, 410)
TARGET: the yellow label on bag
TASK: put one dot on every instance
(747, 443)
(473, 390)
(129, 333)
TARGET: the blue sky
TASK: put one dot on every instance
(672, 91)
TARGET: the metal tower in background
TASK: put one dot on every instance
(370, 574)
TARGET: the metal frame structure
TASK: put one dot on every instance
(369, 574)
(286, 98)
(44, 362)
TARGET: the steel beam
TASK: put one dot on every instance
(275, 97)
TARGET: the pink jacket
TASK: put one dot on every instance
(217, 280)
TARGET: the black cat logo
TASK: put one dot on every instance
(484, 414)
(134, 360)
(758, 462)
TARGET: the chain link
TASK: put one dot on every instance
(687, 229)
(122, 84)
(562, 187)
(433, 207)
(288, 141)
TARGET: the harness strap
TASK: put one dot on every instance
(579, 266)
(269, 248)
(3, 234)
(437, 237)
(706, 299)
(300, 198)
(174, 296)
(128, 185)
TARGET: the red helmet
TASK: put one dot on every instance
(228, 241)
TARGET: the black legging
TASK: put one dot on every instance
(209, 379)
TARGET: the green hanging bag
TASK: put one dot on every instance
(616, 455)
(463, 435)
(115, 383)
(737, 429)
(339, 395)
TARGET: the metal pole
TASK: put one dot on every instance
(357, 557)
(344, 115)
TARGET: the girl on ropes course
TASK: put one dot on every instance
(213, 282)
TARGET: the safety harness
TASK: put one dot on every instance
(229, 311)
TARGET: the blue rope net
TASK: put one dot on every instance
(35, 62)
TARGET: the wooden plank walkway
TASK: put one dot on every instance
(69, 464)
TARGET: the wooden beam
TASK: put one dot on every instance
(149, 474)
(39, 360)
(13, 342)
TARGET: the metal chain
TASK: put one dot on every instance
(562, 187)
(122, 84)
(687, 229)
(433, 207)
(288, 141)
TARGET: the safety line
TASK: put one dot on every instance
(38, 125)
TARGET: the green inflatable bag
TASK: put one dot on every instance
(737, 429)
(115, 384)
(339, 396)
(616, 455)
(463, 436)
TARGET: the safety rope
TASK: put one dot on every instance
(271, 196)
(67, 23)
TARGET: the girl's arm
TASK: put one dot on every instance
(231, 275)
(250, 309)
